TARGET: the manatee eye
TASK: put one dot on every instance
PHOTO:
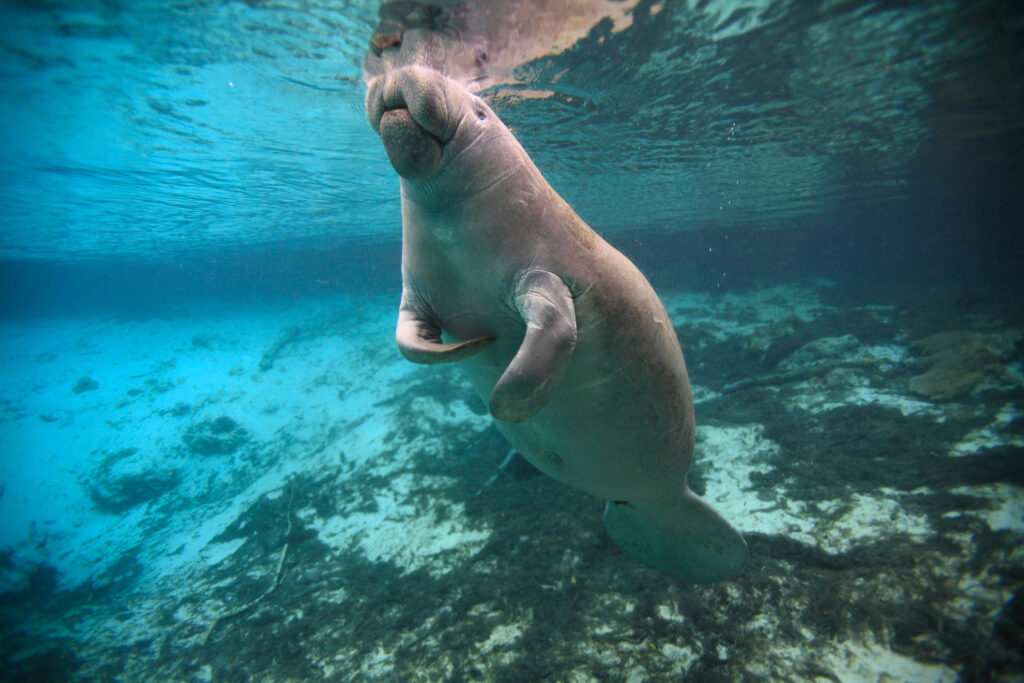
(481, 114)
(553, 458)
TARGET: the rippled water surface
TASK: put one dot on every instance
(151, 128)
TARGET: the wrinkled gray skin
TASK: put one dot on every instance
(557, 331)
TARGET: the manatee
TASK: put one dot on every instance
(557, 331)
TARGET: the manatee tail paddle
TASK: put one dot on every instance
(685, 539)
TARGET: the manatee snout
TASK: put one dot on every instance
(412, 110)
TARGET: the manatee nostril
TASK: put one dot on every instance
(388, 33)
(382, 41)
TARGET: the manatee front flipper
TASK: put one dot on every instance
(419, 335)
(545, 303)
(685, 539)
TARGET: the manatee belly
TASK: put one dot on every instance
(620, 426)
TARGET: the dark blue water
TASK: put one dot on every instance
(149, 133)
(198, 223)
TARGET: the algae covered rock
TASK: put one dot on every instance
(764, 336)
(215, 437)
(125, 479)
(823, 349)
(287, 337)
(962, 361)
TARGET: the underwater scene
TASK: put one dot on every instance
(340, 340)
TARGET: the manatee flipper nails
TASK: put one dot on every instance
(686, 539)
(545, 303)
(420, 341)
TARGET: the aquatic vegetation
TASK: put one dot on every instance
(762, 338)
(84, 384)
(963, 361)
(127, 478)
(881, 540)
(219, 436)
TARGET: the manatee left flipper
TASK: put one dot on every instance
(419, 335)
(547, 308)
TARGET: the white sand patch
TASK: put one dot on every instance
(684, 657)
(846, 347)
(730, 455)
(374, 436)
(702, 394)
(848, 384)
(851, 662)
(731, 314)
(670, 612)
(727, 457)
(867, 517)
(991, 435)
(326, 399)
(847, 354)
(810, 396)
(859, 662)
(1008, 505)
(887, 356)
(333, 403)
(196, 541)
(637, 674)
(506, 634)
(836, 526)
(429, 531)
(377, 664)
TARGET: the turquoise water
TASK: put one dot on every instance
(216, 466)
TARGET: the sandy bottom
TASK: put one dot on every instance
(275, 494)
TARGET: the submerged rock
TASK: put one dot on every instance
(180, 409)
(156, 387)
(823, 349)
(125, 479)
(287, 337)
(84, 384)
(205, 340)
(762, 338)
(215, 437)
(961, 362)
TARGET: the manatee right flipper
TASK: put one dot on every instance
(546, 306)
(419, 335)
(686, 539)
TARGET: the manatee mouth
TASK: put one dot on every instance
(410, 111)
(413, 151)
(401, 117)
(423, 106)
